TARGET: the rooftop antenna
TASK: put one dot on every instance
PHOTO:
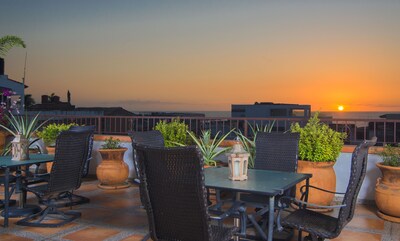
(23, 78)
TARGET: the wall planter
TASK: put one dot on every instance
(387, 193)
(112, 171)
(323, 176)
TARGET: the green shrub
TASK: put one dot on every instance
(50, 132)
(318, 142)
(391, 156)
(111, 143)
(174, 132)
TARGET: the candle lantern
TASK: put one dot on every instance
(20, 148)
(238, 160)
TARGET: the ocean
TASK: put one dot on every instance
(329, 114)
(334, 114)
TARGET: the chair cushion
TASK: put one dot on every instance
(313, 222)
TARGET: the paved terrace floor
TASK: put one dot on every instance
(117, 215)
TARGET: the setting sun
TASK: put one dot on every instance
(340, 108)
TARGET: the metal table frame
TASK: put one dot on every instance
(264, 182)
(6, 163)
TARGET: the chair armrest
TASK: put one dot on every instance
(318, 188)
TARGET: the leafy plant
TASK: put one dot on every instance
(208, 146)
(111, 143)
(249, 145)
(391, 156)
(8, 42)
(318, 142)
(174, 132)
(23, 125)
(50, 132)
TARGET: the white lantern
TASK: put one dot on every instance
(238, 160)
(20, 148)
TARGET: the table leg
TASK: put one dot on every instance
(6, 196)
(236, 223)
(271, 217)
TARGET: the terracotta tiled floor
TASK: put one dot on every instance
(117, 215)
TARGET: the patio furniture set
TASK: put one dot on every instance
(175, 189)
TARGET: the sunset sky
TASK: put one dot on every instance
(206, 55)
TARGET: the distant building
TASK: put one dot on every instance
(7, 84)
(270, 109)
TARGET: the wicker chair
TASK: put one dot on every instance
(90, 129)
(148, 138)
(70, 156)
(321, 226)
(277, 152)
(172, 181)
(69, 199)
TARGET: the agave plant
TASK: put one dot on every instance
(208, 146)
(249, 145)
(22, 125)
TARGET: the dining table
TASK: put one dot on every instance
(7, 164)
(263, 182)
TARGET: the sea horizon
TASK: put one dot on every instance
(327, 114)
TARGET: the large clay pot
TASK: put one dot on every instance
(112, 171)
(323, 176)
(50, 150)
(387, 193)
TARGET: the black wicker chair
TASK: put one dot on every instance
(90, 129)
(321, 226)
(277, 152)
(174, 195)
(148, 138)
(69, 199)
(70, 156)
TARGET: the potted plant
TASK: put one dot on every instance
(49, 135)
(112, 171)
(22, 127)
(319, 147)
(174, 133)
(387, 190)
(208, 146)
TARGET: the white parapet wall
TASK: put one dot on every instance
(342, 169)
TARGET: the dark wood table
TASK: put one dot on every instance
(6, 163)
(264, 182)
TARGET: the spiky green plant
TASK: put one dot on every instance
(208, 146)
(8, 42)
(22, 124)
(249, 145)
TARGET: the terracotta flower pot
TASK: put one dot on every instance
(323, 176)
(387, 193)
(50, 150)
(112, 171)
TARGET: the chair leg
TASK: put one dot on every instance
(49, 213)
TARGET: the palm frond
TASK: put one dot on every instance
(8, 42)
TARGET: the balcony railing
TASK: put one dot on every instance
(387, 131)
